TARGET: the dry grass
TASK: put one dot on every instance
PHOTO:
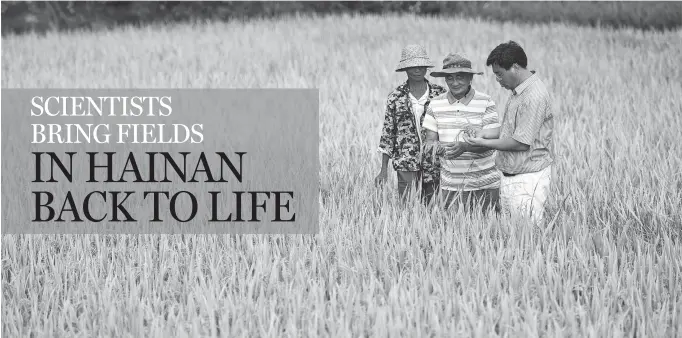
(608, 265)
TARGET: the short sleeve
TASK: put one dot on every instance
(491, 119)
(529, 118)
(430, 120)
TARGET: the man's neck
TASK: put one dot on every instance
(416, 83)
(524, 75)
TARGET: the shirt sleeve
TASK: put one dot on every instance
(491, 119)
(430, 120)
(529, 119)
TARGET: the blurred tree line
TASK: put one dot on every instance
(41, 16)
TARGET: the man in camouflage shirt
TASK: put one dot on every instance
(402, 136)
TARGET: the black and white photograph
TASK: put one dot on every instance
(341, 169)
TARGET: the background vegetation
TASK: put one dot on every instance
(606, 265)
(18, 17)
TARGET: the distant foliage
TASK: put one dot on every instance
(41, 16)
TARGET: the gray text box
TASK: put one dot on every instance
(254, 147)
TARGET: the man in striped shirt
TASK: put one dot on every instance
(468, 174)
(525, 142)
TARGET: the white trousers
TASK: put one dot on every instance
(524, 195)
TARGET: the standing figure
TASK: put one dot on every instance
(402, 135)
(468, 173)
(525, 143)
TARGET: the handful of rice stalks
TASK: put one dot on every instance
(471, 132)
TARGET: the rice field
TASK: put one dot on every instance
(607, 264)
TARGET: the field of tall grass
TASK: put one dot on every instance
(607, 264)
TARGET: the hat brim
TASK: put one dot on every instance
(450, 71)
(402, 69)
(416, 62)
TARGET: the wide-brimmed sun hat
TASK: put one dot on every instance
(414, 56)
(455, 63)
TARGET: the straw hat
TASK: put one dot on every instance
(455, 63)
(414, 56)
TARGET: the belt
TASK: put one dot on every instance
(508, 175)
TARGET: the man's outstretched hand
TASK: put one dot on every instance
(454, 150)
(476, 140)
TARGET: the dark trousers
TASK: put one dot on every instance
(409, 183)
(489, 199)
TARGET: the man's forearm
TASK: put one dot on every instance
(490, 133)
(384, 161)
(505, 144)
(431, 143)
(475, 149)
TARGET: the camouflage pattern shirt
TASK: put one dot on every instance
(399, 138)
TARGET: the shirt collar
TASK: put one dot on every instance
(525, 84)
(465, 100)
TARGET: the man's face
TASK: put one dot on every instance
(416, 73)
(506, 78)
(459, 83)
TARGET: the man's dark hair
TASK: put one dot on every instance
(507, 54)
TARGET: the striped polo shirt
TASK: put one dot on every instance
(448, 117)
(529, 119)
